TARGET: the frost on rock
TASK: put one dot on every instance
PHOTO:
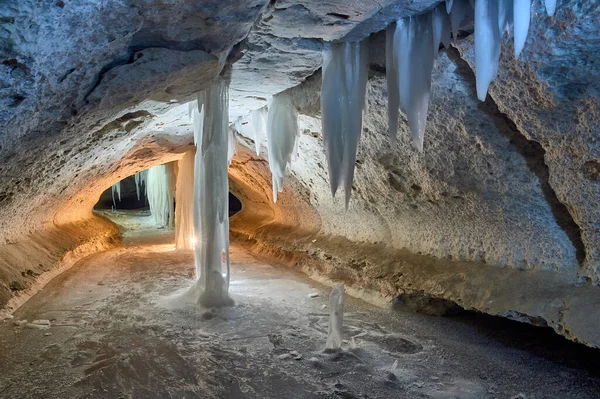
(184, 198)
(336, 318)
(550, 7)
(410, 67)
(282, 132)
(343, 93)
(116, 188)
(259, 126)
(211, 195)
(521, 18)
(160, 192)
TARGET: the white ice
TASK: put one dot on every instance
(411, 68)
(336, 318)
(211, 195)
(116, 188)
(487, 44)
(462, 10)
(184, 198)
(448, 6)
(160, 192)
(550, 7)
(259, 126)
(282, 132)
(441, 28)
(521, 17)
(140, 182)
(343, 92)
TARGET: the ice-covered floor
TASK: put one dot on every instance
(111, 337)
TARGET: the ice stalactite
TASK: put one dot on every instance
(441, 28)
(550, 7)
(462, 10)
(336, 318)
(343, 96)
(282, 132)
(521, 18)
(231, 145)
(116, 188)
(410, 68)
(448, 6)
(140, 183)
(259, 126)
(184, 198)
(211, 195)
(487, 44)
(160, 193)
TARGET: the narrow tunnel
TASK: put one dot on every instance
(274, 199)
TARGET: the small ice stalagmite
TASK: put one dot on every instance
(521, 17)
(487, 45)
(343, 98)
(411, 68)
(282, 132)
(259, 126)
(550, 7)
(336, 318)
(211, 195)
(116, 188)
(184, 198)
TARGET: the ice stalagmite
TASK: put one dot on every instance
(462, 10)
(184, 198)
(521, 17)
(411, 68)
(336, 318)
(116, 188)
(259, 126)
(550, 7)
(343, 92)
(160, 185)
(211, 195)
(487, 44)
(282, 131)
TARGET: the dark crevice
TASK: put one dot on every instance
(531, 150)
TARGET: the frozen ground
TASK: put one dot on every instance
(112, 336)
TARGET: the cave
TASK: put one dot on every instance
(267, 199)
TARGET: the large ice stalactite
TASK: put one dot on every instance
(116, 188)
(160, 192)
(259, 126)
(211, 195)
(282, 132)
(184, 198)
(487, 45)
(343, 93)
(409, 72)
(336, 318)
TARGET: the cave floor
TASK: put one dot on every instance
(117, 332)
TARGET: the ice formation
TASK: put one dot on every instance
(231, 143)
(140, 182)
(441, 28)
(184, 198)
(336, 318)
(116, 188)
(282, 131)
(487, 44)
(461, 10)
(409, 73)
(343, 91)
(160, 192)
(550, 7)
(211, 194)
(259, 126)
(521, 18)
(448, 6)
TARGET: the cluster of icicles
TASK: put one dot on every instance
(412, 45)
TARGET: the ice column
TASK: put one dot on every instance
(259, 126)
(409, 72)
(343, 92)
(282, 131)
(336, 318)
(211, 195)
(184, 198)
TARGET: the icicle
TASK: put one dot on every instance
(521, 16)
(505, 16)
(391, 65)
(487, 45)
(448, 6)
(336, 318)
(412, 66)
(137, 185)
(140, 183)
(550, 7)
(462, 10)
(160, 194)
(282, 131)
(259, 126)
(441, 29)
(343, 94)
(116, 188)
(231, 144)
(184, 197)
(211, 196)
